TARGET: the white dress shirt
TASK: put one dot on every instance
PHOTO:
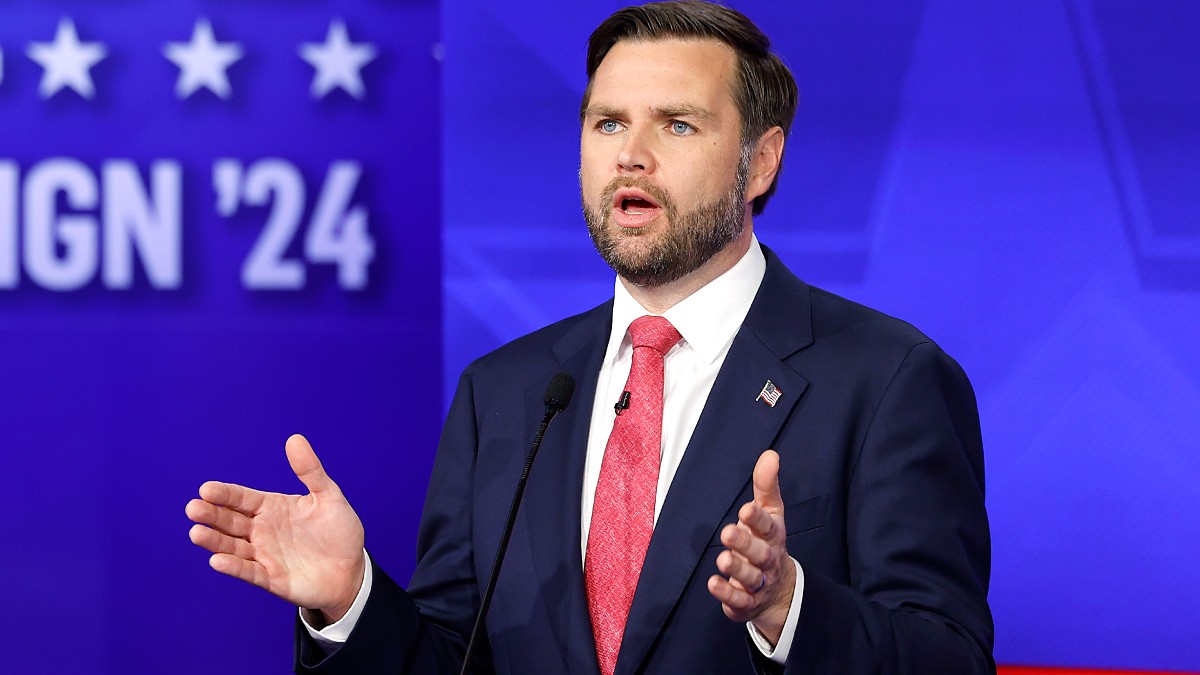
(708, 320)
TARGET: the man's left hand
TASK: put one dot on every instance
(759, 577)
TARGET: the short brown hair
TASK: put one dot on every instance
(764, 91)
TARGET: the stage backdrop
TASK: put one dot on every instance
(222, 223)
(218, 227)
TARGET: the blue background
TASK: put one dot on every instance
(1019, 180)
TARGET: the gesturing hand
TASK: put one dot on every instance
(761, 576)
(307, 549)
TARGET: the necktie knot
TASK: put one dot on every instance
(654, 332)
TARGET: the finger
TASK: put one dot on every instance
(759, 521)
(239, 498)
(219, 542)
(218, 517)
(766, 481)
(306, 465)
(737, 603)
(724, 590)
(741, 540)
(741, 572)
(246, 570)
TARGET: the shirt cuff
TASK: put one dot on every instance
(335, 634)
(779, 653)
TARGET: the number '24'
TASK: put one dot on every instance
(337, 233)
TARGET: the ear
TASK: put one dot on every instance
(764, 163)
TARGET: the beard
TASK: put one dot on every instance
(685, 241)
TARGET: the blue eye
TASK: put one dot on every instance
(681, 128)
(609, 126)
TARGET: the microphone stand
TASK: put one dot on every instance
(553, 407)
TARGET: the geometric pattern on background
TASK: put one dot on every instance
(1142, 68)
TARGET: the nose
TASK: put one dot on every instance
(636, 155)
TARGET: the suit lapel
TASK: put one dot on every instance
(733, 431)
(552, 498)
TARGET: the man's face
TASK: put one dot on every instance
(661, 168)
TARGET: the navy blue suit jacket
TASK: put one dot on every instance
(881, 473)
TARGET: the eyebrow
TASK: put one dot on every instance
(683, 110)
(666, 111)
(603, 111)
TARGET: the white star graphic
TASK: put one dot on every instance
(338, 62)
(67, 62)
(203, 61)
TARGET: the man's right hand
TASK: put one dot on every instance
(306, 549)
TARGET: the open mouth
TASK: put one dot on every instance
(634, 208)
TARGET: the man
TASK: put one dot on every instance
(859, 544)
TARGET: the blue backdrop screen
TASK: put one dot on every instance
(218, 227)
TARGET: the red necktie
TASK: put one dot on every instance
(623, 512)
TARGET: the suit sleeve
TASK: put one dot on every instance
(424, 629)
(917, 539)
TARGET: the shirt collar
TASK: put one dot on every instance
(707, 319)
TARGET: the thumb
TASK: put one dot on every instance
(306, 465)
(766, 482)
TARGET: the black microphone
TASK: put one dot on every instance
(558, 395)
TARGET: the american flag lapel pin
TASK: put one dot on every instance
(770, 394)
